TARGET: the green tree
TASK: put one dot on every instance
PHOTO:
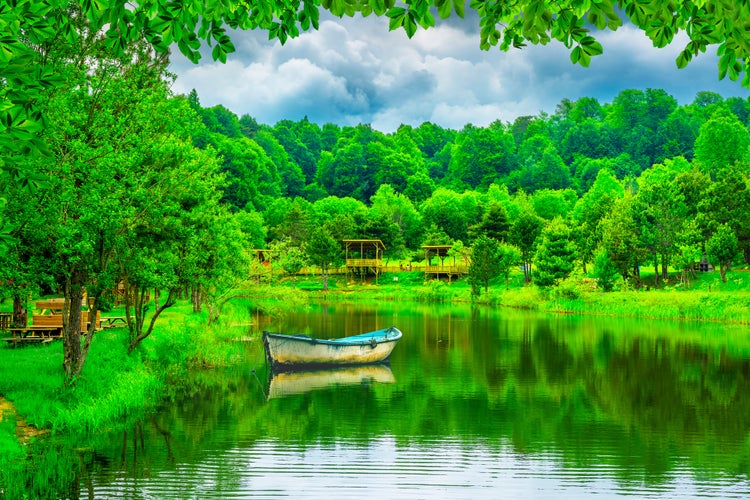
(620, 237)
(484, 265)
(727, 201)
(721, 249)
(549, 203)
(419, 187)
(451, 212)
(323, 251)
(591, 209)
(662, 211)
(481, 156)
(555, 255)
(119, 148)
(399, 209)
(494, 223)
(292, 178)
(291, 259)
(524, 232)
(252, 178)
(605, 271)
(508, 257)
(722, 141)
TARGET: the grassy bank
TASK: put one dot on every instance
(706, 298)
(114, 389)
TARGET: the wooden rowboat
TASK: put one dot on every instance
(289, 352)
(290, 383)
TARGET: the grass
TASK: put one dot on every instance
(707, 298)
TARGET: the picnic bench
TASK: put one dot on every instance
(34, 334)
(112, 321)
(48, 325)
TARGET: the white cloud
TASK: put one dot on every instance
(355, 70)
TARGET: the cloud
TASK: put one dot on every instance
(355, 71)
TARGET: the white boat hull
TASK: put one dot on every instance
(298, 351)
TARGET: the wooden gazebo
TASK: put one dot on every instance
(364, 257)
(436, 265)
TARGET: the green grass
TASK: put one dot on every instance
(706, 298)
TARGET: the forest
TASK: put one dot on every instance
(638, 181)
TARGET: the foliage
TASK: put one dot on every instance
(721, 248)
(605, 271)
(523, 234)
(323, 251)
(555, 255)
(508, 256)
(485, 263)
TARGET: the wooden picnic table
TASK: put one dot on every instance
(111, 321)
(34, 334)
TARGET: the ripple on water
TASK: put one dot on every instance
(389, 468)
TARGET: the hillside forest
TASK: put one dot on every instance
(639, 181)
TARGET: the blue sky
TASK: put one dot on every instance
(353, 70)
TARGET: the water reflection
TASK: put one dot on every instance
(477, 402)
(289, 383)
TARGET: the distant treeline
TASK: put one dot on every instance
(643, 177)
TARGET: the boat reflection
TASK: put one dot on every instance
(284, 384)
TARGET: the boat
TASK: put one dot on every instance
(290, 352)
(290, 383)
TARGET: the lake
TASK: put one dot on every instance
(477, 402)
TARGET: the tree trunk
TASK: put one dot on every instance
(656, 270)
(140, 334)
(72, 351)
(195, 298)
(20, 315)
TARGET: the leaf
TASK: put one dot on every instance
(410, 25)
(444, 8)
(683, 59)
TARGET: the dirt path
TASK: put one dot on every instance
(24, 431)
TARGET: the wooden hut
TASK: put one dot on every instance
(439, 263)
(364, 257)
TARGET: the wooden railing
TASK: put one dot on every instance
(451, 269)
(364, 263)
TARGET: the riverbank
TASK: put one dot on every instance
(114, 390)
(706, 298)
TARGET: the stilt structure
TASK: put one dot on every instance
(364, 257)
(435, 258)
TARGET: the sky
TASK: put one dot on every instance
(353, 70)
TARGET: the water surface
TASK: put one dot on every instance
(476, 403)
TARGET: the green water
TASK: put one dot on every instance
(476, 403)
